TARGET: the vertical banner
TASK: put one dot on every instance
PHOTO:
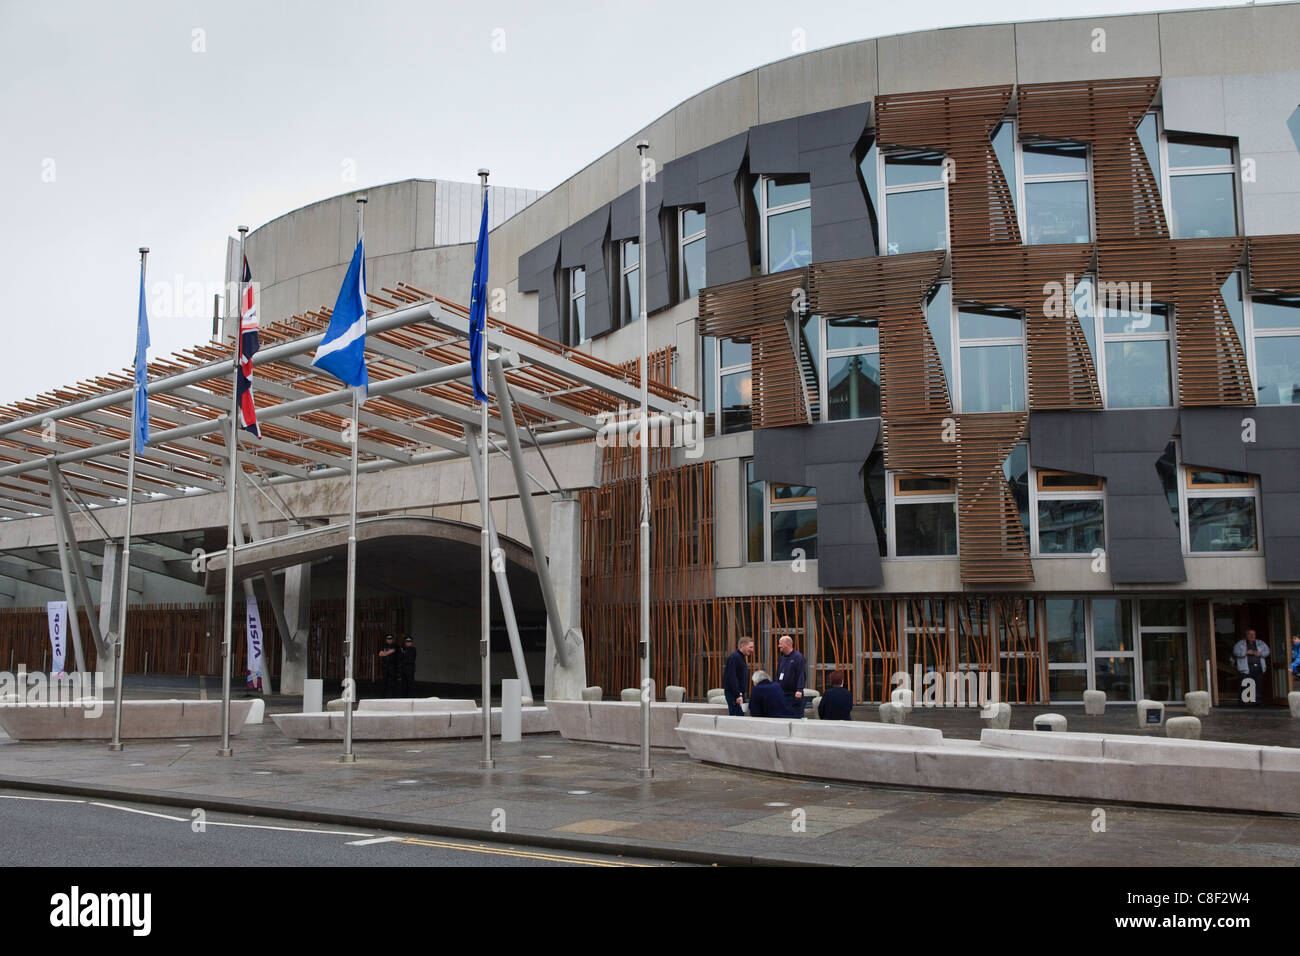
(254, 645)
(57, 613)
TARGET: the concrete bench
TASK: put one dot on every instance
(413, 705)
(141, 719)
(414, 725)
(619, 722)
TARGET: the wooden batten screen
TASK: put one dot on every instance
(1060, 366)
(1188, 274)
(1105, 113)
(622, 459)
(959, 124)
(756, 309)
(1275, 263)
(994, 548)
(892, 289)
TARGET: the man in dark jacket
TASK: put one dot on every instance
(767, 699)
(791, 674)
(408, 667)
(735, 678)
(390, 659)
(836, 703)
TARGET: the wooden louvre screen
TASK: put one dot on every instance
(1060, 367)
(1275, 263)
(1188, 274)
(994, 547)
(622, 459)
(1105, 113)
(959, 124)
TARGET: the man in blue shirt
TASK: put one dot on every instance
(767, 699)
(735, 678)
(791, 674)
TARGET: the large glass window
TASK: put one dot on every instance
(1057, 204)
(924, 516)
(1275, 322)
(1114, 661)
(1221, 511)
(851, 382)
(1136, 335)
(629, 292)
(691, 247)
(576, 324)
(782, 516)
(785, 213)
(1071, 513)
(916, 203)
(1163, 634)
(735, 385)
(1202, 188)
(1067, 648)
(992, 364)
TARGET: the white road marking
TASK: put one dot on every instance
(374, 840)
(220, 823)
(5, 796)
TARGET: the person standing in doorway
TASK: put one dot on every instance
(1250, 655)
(791, 674)
(390, 661)
(408, 667)
(735, 678)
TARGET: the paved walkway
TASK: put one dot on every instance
(548, 791)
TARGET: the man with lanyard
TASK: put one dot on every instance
(791, 674)
(1250, 654)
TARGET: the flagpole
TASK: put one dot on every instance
(124, 593)
(644, 770)
(485, 544)
(232, 452)
(349, 685)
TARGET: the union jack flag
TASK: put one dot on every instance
(247, 349)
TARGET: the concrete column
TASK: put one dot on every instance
(110, 600)
(297, 615)
(565, 560)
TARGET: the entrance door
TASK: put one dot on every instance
(1231, 622)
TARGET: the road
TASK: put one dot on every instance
(39, 829)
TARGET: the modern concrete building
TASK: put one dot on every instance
(996, 332)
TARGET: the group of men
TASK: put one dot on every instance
(398, 664)
(783, 697)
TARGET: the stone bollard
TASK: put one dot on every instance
(891, 713)
(1000, 719)
(1293, 699)
(1187, 728)
(674, 694)
(592, 693)
(1051, 722)
(1198, 703)
(512, 702)
(313, 695)
(902, 696)
(1151, 714)
(256, 712)
(1094, 702)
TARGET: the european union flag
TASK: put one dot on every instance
(342, 352)
(141, 373)
(478, 306)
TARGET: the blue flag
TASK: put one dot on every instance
(342, 352)
(478, 306)
(141, 373)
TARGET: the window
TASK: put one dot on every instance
(1275, 323)
(734, 384)
(1136, 347)
(991, 370)
(629, 291)
(938, 318)
(924, 516)
(784, 516)
(1070, 513)
(1113, 651)
(785, 218)
(690, 252)
(916, 203)
(1221, 510)
(1057, 205)
(851, 383)
(1202, 188)
(576, 325)
(1162, 633)
(1067, 648)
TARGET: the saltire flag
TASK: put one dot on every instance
(141, 372)
(247, 349)
(478, 306)
(342, 352)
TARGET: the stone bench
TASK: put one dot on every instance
(141, 719)
(619, 722)
(413, 705)
(410, 725)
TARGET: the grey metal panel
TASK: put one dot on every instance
(681, 181)
(1123, 447)
(537, 273)
(829, 456)
(1213, 437)
(774, 148)
(726, 252)
(595, 256)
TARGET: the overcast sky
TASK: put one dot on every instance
(167, 123)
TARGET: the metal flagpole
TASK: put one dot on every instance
(644, 770)
(349, 685)
(119, 658)
(485, 543)
(232, 452)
